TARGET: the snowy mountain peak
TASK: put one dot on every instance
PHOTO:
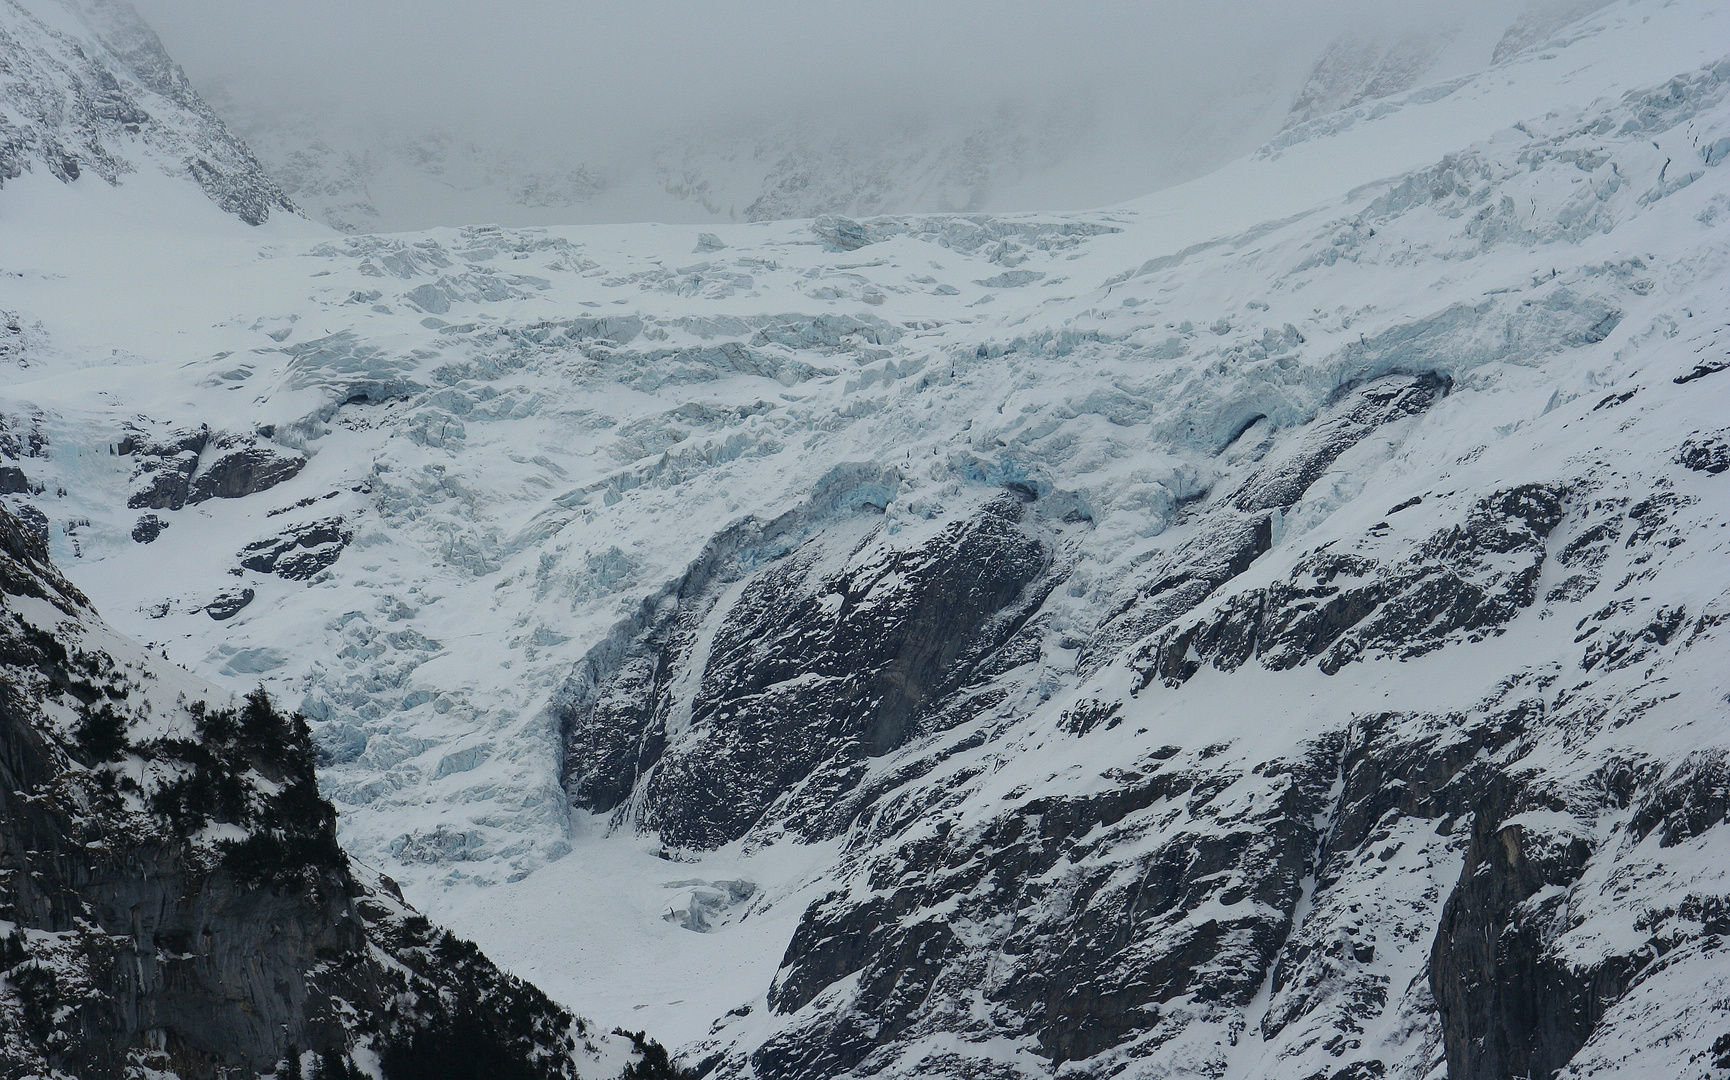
(86, 87)
(1272, 628)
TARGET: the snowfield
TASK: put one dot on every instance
(1297, 597)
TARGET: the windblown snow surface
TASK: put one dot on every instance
(1373, 531)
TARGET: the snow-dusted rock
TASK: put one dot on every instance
(89, 88)
(1273, 628)
(175, 899)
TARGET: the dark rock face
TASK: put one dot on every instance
(237, 466)
(1190, 575)
(35, 522)
(189, 466)
(1336, 605)
(1464, 583)
(1514, 1001)
(1507, 1008)
(144, 946)
(14, 482)
(162, 474)
(1396, 894)
(26, 571)
(1059, 922)
(1707, 453)
(1402, 783)
(1089, 948)
(228, 604)
(1238, 529)
(1701, 370)
(26, 443)
(301, 552)
(812, 670)
(811, 674)
(149, 527)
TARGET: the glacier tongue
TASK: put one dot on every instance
(1175, 637)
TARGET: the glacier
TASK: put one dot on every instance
(1272, 627)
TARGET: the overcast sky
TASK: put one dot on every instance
(1117, 97)
(622, 66)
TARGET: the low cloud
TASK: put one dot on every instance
(1180, 84)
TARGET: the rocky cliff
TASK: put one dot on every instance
(174, 896)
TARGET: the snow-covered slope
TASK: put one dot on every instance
(85, 87)
(1271, 628)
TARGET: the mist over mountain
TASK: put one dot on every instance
(379, 115)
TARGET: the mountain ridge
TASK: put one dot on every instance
(90, 88)
(1269, 628)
